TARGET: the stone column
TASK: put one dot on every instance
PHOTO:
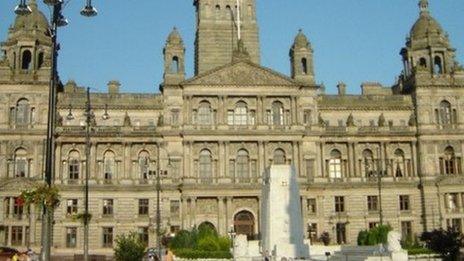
(92, 162)
(221, 160)
(185, 214)
(323, 171)
(32, 224)
(57, 161)
(229, 218)
(190, 160)
(193, 211)
(10, 234)
(265, 155)
(11, 206)
(414, 158)
(295, 157)
(295, 110)
(260, 159)
(221, 216)
(127, 160)
(188, 113)
(37, 161)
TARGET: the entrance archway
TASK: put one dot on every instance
(244, 224)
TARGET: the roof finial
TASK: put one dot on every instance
(424, 6)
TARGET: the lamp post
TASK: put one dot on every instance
(379, 172)
(56, 20)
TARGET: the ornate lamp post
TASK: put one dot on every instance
(56, 20)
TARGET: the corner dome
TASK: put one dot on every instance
(426, 25)
(301, 40)
(35, 20)
(174, 37)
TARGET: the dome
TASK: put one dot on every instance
(301, 40)
(35, 20)
(174, 37)
(426, 25)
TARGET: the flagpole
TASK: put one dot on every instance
(239, 21)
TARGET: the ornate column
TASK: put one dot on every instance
(322, 151)
(414, 159)
(127, 159)
(295, 157)
(190, 160)
(32, 224)
(226, 159)
(193, 211)
(260, 158)
(11, 206)
(221, 160)
(185, 214)
(57, 162)
(229, 218)
(221, 216)
(93, 161)
(10, 234)
(351, 159)
(188, 116)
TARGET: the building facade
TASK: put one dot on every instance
(213, 135)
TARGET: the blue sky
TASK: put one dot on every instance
(354, 41)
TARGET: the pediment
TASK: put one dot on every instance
(242, 73)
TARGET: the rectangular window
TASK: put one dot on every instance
(232, 169)
(309, 168)
(175, 117)
(373, 225)
(107, 207)
(71, 237)
(143, 206)
(143, 235)
(406, 230)
(312, 232)
(16, 235)
(372, 203)
(21, 167)
(71, 207)
(108, 237)
(341, 233)
(73, 169)
(339, 204)
(404, 203)
(307, 117)
(311, 205)
(174, 208)
(18, 208)
(230, 117)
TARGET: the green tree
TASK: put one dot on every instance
(129, 247)
(445, 242)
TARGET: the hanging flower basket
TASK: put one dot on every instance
(45, 195)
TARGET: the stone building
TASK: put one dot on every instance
(214, 134)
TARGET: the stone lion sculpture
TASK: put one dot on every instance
(393, 240)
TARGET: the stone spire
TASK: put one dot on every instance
(301, 59)
(174, 58)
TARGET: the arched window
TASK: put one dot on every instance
(277, 113)
(207, 225)
(26, 61)
(109, 166)
(40, 60)
(399, 164)
(73, 165)
(279, 157)
(437, 65)
(304, 66)
(174, 65)
(243, 164)
(448, 163)
(218, 10)
(144, 161)
(368, 160)
(445, 115)
(204, 113)
(22, 112)
(423, 62)
(335, 164)
(241, 113)
(244, 224)
(21, 163)
(205, 165)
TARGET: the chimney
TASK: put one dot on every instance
(113, 87)
(341, 88)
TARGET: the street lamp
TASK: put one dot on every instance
(158, 174)
(56, 20)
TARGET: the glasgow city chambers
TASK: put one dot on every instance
(391, 155)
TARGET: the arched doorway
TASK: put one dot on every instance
(207, 225)
(244, 224)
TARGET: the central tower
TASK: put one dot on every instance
(216, 35)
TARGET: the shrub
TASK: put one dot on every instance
(224, 243)
(375, 236)
(195, 254)
(444, 242)
(362, 237)
(129, 248)
(183, 239)
(325, 238)
(208, 244)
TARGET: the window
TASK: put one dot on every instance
(243, 164)
(335, 165)
(40, 60)
(372, 203)
(73, 165)
(279, 157)
(404, 203)
(304, 66)
(406, 230)
(108, 237)
(341, 233)
(143, 206)
(438, 66)
(450, 164)
(312, 232)
(71, 207)
(18, 208)
(22, 113)
(143, 235)
(307, 117)
(17, 235)
(445, 113)
(423, 62)
(310, 168)
(399, 164)
(339, 204)
(144, 165)
(174, 65)
(205, 165)
(71, 237)
(26, 62)
(311, 206)
(21, 163)
(368, 158)
(451, 201)
(175, 117)
(174, 208)
(455, 224)
(204, 113)
(109, 166)
(277, 113)
(240, 114)
(107, 207)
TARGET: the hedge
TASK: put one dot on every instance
(195, 254)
